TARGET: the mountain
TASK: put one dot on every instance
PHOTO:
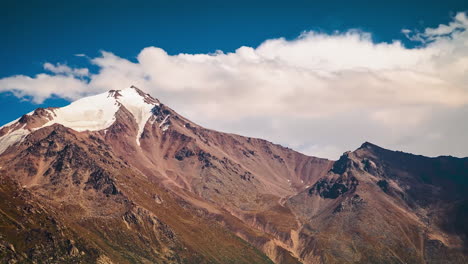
(121, 178)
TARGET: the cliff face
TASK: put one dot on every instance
(150, 186)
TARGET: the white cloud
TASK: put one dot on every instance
(459, 23)
(321, 93)
(43, 86)
(66, 70)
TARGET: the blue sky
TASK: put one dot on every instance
(39, 31)
(36, 32)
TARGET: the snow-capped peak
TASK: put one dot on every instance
(95, 113)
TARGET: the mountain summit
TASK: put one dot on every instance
(120, 177)
(92, 113)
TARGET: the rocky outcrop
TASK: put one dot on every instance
(334, 188)
(183, 153)
(352, 203)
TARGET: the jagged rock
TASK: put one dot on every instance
(350, 204)
(279, 158)
(73, 251)
(157, 199)
(156, 110)
(248, 153)
(333, 188)
(371, 167)
(384, 185)
(341, 165)
(183, 153)
(10, 247)
(205, 157)
(247, 176)
(99, 179)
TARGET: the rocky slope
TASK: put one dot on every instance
(122, 178)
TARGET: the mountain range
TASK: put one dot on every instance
(120, 177)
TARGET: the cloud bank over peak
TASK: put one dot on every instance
(319, 93)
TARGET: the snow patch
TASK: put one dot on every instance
(51, 113)
(87, 114)
(141, 110)
(12, 138)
